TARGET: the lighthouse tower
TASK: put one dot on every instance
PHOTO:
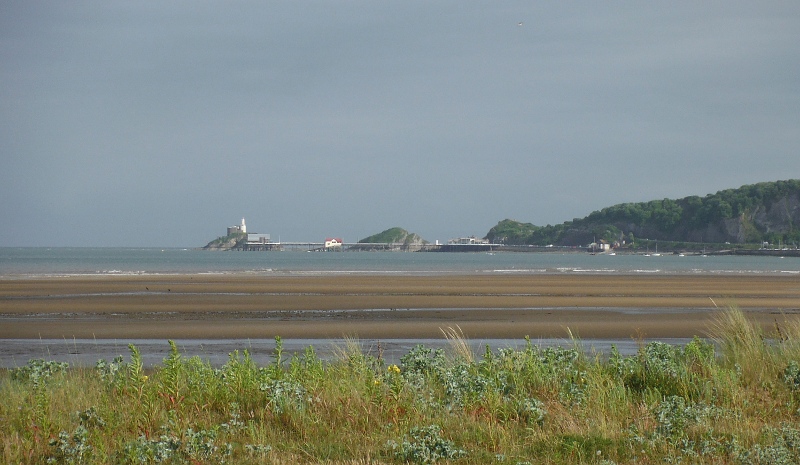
(243, 228)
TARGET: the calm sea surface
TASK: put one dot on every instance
(26, 262)
(16, 263)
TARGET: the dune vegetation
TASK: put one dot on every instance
(733, 398)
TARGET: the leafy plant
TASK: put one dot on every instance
(783, 448)
(423, 360)
(38, 371)
(284, 395)
(112, 372)
(425, 445)
(71, 448)
(146, 451)
(531, 411)
(791, 376)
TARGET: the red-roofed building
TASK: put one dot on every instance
(333, 243)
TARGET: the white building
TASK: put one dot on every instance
(333, 243)
(472, 240)
(238, 229)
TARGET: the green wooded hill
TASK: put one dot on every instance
(763, 212)
(385, 237)
(396, 235)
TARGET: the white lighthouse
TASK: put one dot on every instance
(243, 228)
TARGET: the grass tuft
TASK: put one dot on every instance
(459, 344)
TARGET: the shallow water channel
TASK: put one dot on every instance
(86, 352)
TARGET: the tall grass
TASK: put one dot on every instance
(459, 343)
(734, 401)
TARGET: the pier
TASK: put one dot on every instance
(310, 246)
(376, 247)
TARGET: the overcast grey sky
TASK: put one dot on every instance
(155, 123)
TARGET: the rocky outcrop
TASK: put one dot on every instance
(780, 217)
(228, 242)
(413, 243)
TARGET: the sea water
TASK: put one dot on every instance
(32, 262)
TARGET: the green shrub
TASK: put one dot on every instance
(38, 370)
(782, 447)
(71, 448)
(425, 445)
(791, 376)
(423, 360)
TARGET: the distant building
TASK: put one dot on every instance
(472, 240)
(601, 246)
(242, 228)
(257, 239)
(333, 243)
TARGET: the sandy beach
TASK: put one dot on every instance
(381, 306)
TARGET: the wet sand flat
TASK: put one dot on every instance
(386, 306)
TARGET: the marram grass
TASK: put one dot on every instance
(736, 401)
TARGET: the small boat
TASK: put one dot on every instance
(656, 254)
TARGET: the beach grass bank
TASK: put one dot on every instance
(737, 403)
